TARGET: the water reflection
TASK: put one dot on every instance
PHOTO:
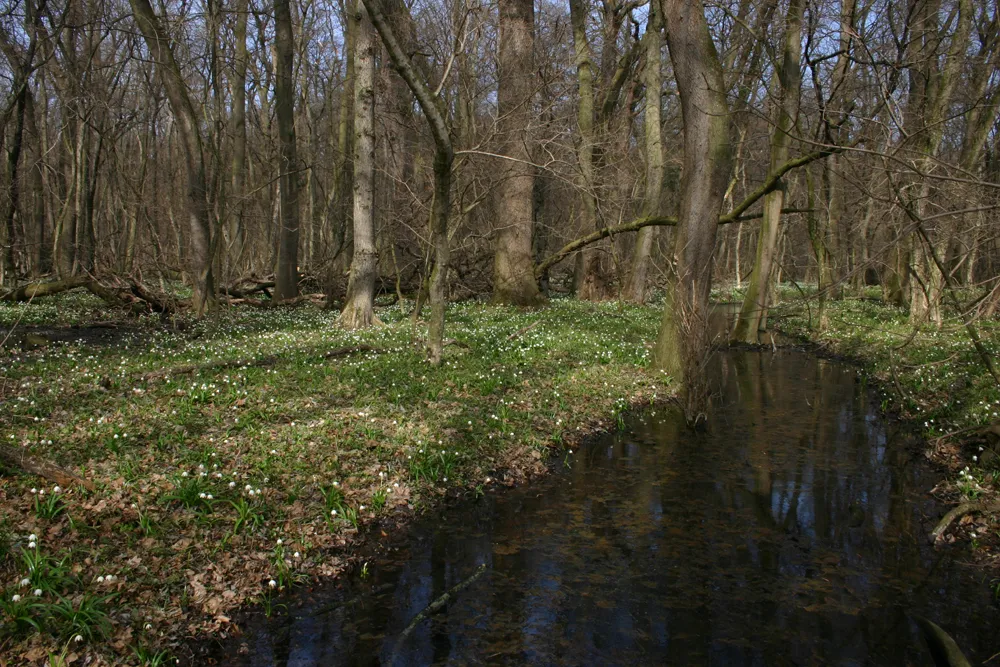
(791, 533)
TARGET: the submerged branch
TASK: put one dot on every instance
(435, 606)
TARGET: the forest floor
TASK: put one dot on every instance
(248, 452)
(935, 379)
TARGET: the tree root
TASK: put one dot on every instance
(944, 650)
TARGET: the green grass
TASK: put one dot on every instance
(200, 470)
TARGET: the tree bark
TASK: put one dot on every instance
(431, 104)
(286, 275)
(788, 78)
(233, 252)
(514, 276)
(932, 81)
(683, 345)
(586, 142)
(635, 290)
(358, 310)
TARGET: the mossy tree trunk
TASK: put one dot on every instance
(586, 141)
(788, 77)
(683, 345)
(933, 79)
(234, 228)
(432, 105)
(652, 78)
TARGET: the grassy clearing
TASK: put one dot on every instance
(936, 379)
(217, 486)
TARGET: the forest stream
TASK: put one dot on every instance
(794, 531)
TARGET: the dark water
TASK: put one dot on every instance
(793, 533)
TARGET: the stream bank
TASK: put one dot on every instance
(793, 531)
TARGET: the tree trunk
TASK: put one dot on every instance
(586, 142)
(200, 241)
(788, 77)
(286, 275)
(358, 310)
(635, 290)
(514, 276)
(683, 345)
(238, 127)
(932, 81)
(432, 106)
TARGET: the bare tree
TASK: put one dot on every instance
(682, 345)
(358, 309)
(444, 156)
(514, 277)
(635, 289)
(199, 230)
(788, 77)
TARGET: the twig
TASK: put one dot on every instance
(523, 330)
(435, 606)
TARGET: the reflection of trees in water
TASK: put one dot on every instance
(785, 532)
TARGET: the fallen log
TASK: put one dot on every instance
(19, 459)
(269, 360)
(158, 304)
(237, 292)
(38, 290)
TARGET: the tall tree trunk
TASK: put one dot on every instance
(22, 65)
(514, 276)
(818, 238)
(933, 80)
(682, 346)
(358, 308)
(199, 230)
(238, 128)
(42, 253)
(444, 156)
(7, 267)
(788, 78)
(342, 139)
(579, 10)
(286, 275)
(635, 290)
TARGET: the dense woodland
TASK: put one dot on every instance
(441, 150)
(347, 259)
